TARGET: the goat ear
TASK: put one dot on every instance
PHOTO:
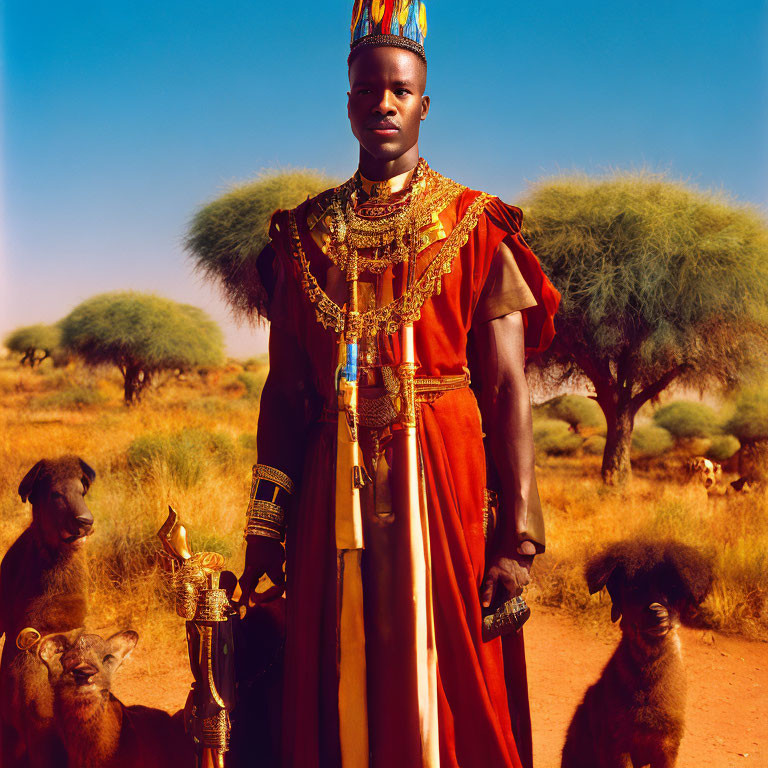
(122, 643)
(27, 485)
(693, 572)
(89, 475)
(51, 647)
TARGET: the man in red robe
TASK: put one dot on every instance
(398, 261)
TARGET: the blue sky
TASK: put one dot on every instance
(121, 118)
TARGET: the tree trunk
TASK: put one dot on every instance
(753, 460)
(132, 383)
(617, 467)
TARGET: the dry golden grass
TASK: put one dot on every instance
(209, 488)
(583, 515)
(127, 579)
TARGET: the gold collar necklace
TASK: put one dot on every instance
(385, 230)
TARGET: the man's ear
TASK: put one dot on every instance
(89, 475)
(425, 102)
(27, 486)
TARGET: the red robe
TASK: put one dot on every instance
(479, 683)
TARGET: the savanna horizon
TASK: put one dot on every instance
(191, 443)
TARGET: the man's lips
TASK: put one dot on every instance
(384, 129)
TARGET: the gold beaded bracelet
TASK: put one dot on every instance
(265, 516)
(253, 529)
(265, 472)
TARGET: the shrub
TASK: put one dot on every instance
(594, 445)
(651, 440)
(253, 383)
(186, 454)
(723, 447)
(255, 363)
(74, 397)
(247, 441)
(554, 437)
(686, 419)
(750, 420)
(576, 410)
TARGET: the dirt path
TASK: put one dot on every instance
(727, 723)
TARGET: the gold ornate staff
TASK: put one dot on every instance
(207, 610)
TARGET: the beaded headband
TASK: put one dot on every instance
(398, 23)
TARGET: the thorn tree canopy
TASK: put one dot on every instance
(660, 283)
(226, 236)
(33, 339)
(142, 334)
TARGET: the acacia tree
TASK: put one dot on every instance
(34, 342)
(660, 283)
(142, 334)
(226, 235)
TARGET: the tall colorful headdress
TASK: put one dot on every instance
(402, 23)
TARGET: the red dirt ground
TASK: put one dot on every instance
(727, 724)
(727, 718)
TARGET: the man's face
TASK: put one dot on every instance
(386, 101)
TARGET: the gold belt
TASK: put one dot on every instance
(383, 410)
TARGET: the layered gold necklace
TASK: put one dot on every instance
(384, 231)
(378, 233)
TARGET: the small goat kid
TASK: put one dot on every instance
(96, 729)
(633, 716)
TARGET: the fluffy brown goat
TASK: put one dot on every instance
(96, 729)
(633, 715)
(42, 590)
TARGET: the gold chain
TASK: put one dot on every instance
(405, 309)
(386, 229)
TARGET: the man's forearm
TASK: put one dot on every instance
(506, 410)
(510, 436)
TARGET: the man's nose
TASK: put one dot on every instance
(385, 105)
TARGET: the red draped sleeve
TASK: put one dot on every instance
(503, 224)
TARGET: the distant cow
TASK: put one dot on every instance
(43, 582)
(703, 472)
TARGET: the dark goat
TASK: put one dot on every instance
(43, 582)
(95, 728)
(634, 714)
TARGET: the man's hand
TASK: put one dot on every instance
(512, 570)
(262, 555)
